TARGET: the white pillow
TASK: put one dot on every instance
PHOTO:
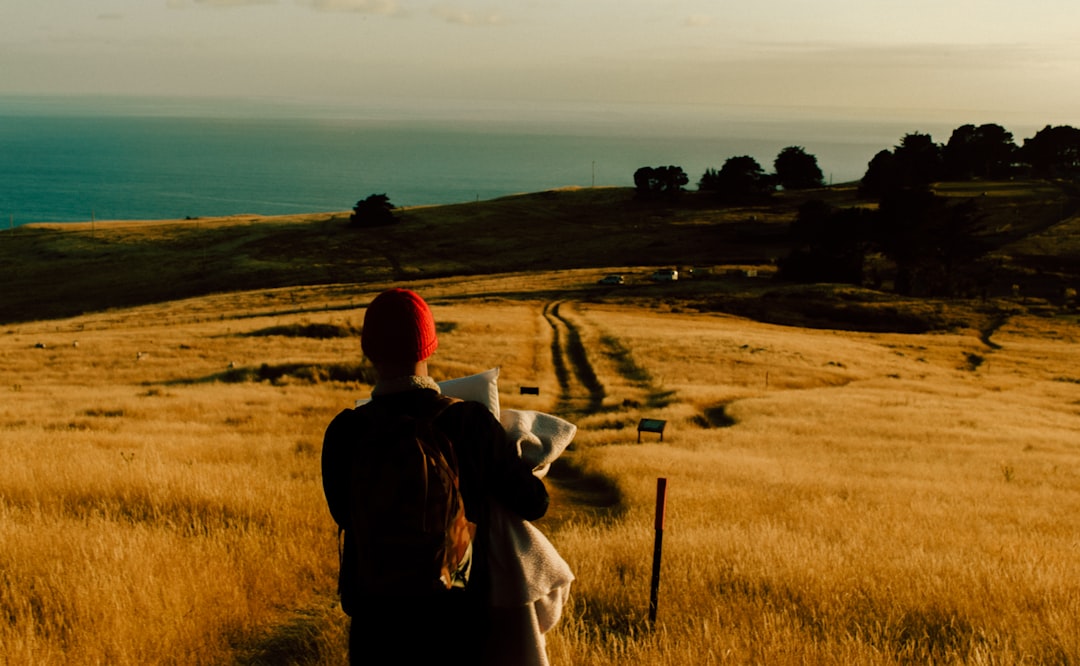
(483, 387)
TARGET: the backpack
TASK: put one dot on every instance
(407, 516)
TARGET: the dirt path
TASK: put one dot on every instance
(580, 391)
(576, 495)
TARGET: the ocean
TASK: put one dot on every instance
(77, 159)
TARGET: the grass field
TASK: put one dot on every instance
(834, 496)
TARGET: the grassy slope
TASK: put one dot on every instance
(936, 525)
(787, 530)
(62, 270)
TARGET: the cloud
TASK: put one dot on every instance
(184, 4)
(381, 7)
(234, 3)
(112, 16)
(468, 17)
(698, 21)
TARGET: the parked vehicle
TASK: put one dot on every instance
(665, 275)
(611, 279)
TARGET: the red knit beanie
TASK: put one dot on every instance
(398, 326)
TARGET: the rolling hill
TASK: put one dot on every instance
(61, 270)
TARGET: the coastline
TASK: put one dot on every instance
(68, 160)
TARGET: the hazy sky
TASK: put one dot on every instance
(1019, 59)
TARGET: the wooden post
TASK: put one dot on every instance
(658, 543)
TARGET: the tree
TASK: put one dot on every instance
(918, 160)
(739, 179)
(1053, 150)
(881, 175)
(797, 170)
(986, 151)
(709, 180)
(374, 211)
(915, 163)
(655, 181)
(829, 244)
(930, 240)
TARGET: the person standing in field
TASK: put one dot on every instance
(413, 457)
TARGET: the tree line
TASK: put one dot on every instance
(918, 242)
(922, 243)
(741, 178)
(984, 151)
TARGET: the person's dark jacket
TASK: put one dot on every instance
(488, 468)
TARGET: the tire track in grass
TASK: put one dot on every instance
(657, 396)
(562, 375)
(581, 392)
(580, 495)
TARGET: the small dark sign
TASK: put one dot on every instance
(530, 390)
(651, 425)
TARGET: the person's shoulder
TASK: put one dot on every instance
(348, 414)
(346, 419)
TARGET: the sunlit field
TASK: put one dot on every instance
(833, 497)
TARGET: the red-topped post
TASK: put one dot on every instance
(661, 504)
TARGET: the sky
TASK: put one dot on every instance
(993, 60)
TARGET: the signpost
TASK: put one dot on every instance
(651, 425)
(658, 543)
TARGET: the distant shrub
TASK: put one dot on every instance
(652, 182)
(717, 417)
(105, 413)
(974, 361)
(374, 211)
(315, 331)
(304, 373)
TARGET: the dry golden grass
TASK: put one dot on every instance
(150, 521)
(876, 501)
(834, 497)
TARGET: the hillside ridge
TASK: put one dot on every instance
(62, 270)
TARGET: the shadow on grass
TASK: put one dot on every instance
(608, 619)
(581, 495)
(313, 331)
(624, 361)
(302, 373)
(660, 398)
(717, 417)
(308, 637)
